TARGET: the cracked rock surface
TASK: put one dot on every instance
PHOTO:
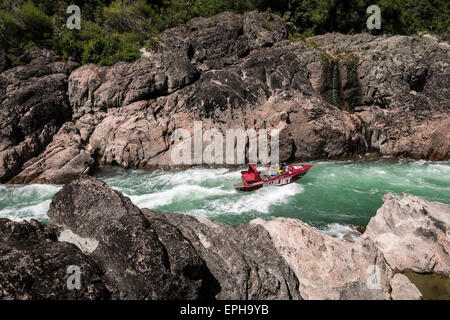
(331, 96)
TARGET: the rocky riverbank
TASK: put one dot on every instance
(332, 96)
(124, 252)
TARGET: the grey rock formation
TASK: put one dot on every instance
(326, 267)
(228, 71)
(407, 233)
(62, 159)
(400, 97)
(242, 259)
(33, 106)
(126, 253)
(154, 255)
(140, 260)
(331, 96)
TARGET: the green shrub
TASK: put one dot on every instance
(25, 26)
(92, 44)
(207, 8)
(114, 30)
(139, 18)
(311, 43)
(153, 44)
(128, 48)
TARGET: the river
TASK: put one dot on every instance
(332, 195)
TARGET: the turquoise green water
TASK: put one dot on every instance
(331, 195)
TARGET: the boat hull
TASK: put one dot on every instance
(295, 172)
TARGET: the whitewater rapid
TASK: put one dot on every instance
(332, 195)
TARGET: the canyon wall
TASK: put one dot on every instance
(331, 96)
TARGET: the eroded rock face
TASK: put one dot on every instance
(367, 94)
(140, 260)
(400, 96)
(331, 96)
(63, 158)
(242, 259)
(33, 106)
(229, 71)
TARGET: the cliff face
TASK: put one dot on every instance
(332, 96)
(124, 252)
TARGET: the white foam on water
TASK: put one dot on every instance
(37, 212)
(25, 202)
(39, 190)
(196, 176)
(208, 192)
(182, 192)
(141, 181)
(256, 201)
(337, 230)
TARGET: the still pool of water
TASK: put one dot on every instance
(331, 195)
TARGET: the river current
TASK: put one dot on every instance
(332, 195)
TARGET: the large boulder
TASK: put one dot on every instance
(242, 259)
(140, 254)
(403, 289)
(327, 267)
(413, 234)
(140, 259)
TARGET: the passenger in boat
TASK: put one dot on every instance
(279, 170)
(272, 172)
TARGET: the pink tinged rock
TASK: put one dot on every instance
(412, 233)
(403, 289)
(327, 268)
(62, 159)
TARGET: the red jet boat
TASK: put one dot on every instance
(253, 179)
